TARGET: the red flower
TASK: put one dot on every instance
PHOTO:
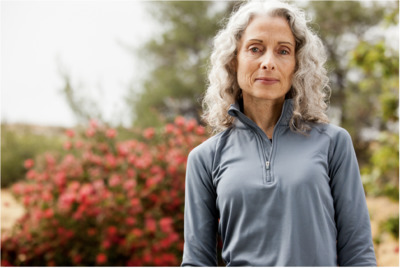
(70, 133)
(93, 123)
(200, 130)
(28, 163)
(31, 174)
(48, 213)
(90, 132)
(114, 180)
(67, 145)
(180, 121)
(78, 144)
(106, 244)
(101, 258)
(129, 184)
(151, 225)
(191, 125)
(122, 149)
(111, 133)
(130, 221)
(5, 263)
(91, 231)
(137, 232)
(169, 128)
(111, 161)
(60, 178)
(166, 224)
(112, 230)
(135, 202)
(149, 133)
(77, 259)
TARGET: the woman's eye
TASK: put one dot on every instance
(254, 49)
(284, 52)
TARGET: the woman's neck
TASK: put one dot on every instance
(265, 113)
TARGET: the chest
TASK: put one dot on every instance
(249, 166)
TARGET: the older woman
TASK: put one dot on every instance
(278, 182)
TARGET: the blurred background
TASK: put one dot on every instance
(101, 100)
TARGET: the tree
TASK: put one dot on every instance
(341, 26)
(177, 80)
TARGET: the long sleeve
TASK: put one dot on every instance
(201, 217)
(354, 241)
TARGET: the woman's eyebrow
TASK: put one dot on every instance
(279, 42)
(285, 42)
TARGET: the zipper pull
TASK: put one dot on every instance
(267, 165)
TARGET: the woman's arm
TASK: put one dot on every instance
(354, 241)
(201, 217)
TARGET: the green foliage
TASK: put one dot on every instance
(391, 226)
(375, 96)
(19, 144)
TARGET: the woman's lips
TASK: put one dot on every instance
(267, 80)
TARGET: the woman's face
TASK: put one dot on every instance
(266, 59)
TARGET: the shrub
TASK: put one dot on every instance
(105, 202)
(18, 145)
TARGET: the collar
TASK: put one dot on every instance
(287, 110)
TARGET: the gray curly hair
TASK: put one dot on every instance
(309, 89)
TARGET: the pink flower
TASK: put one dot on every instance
(130, 221)
(200, 130)
(85, 191)
(122, 149)
(98, 184)
(129, 184)
(106, 244)
(166, 224)
(111, 133)
(93, 123)
(78, 144)
(48, 213)
(169, 128)
(75, 185)
(65, 201)
(135, 202)
(149, 133)
(131, 173)
(70, 133)
(114, 180)
(111, 161)
(151, 225)
(191, 125)
(101, 258)
(31, 174)
(180, 121)
(60, 178)
(50, 160)
(28, 163)
(47, 196)
(137, 232)
(67, 145)
(112, 230)
(90, 132)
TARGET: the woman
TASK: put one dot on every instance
(278, 182)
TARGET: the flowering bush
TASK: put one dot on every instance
(105, 202)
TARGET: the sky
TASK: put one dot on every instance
(83, 38)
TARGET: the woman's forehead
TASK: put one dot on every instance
(266, 27)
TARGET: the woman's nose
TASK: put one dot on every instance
(268, 61)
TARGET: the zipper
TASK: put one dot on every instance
(267, 157)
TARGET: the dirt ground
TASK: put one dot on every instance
(380, 208)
